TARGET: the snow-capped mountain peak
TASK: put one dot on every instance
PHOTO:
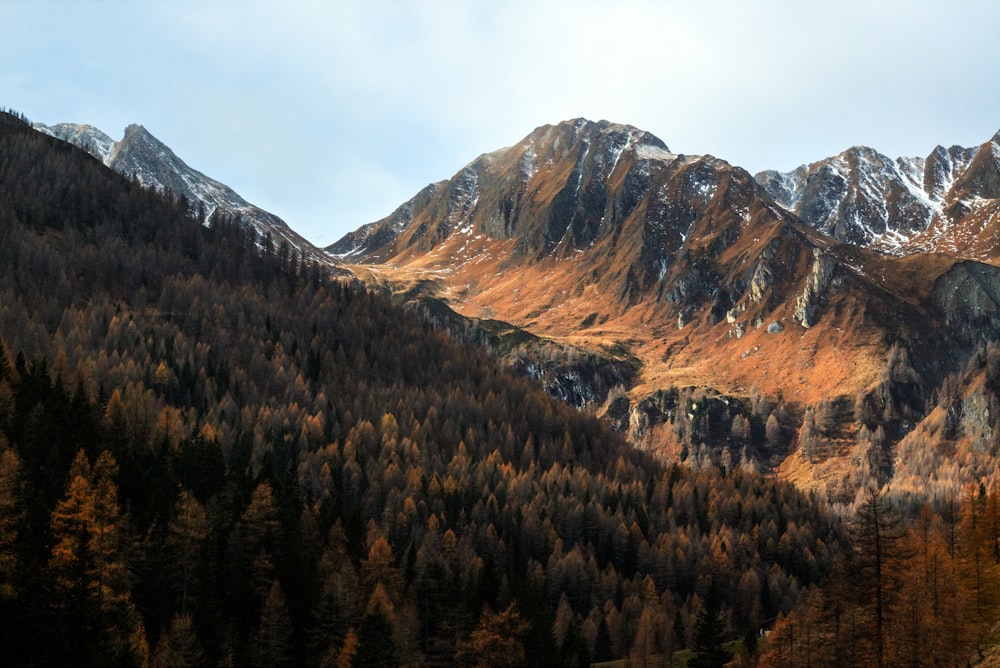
(897, 206)
(141, 155)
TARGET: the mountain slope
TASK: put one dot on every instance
(149, 160)
(596, 236)
(591, 229)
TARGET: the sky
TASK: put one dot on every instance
(331, 114)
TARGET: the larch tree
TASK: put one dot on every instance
(187, 532)
(272, 643)
(880, 551)
(254, 539)
(179, 647)
(11, 513)
(89, 559)
(497, 641)
(376, 646)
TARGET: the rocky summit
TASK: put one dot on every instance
(141, 155)
(946, 202)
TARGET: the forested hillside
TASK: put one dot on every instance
(211, 452)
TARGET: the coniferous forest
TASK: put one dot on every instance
(213, 452)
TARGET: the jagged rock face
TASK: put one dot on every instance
(808, 303)
(948, 201)
(859, 196)
(981, 178)
(968, 299)
(942, 167)
(142, 155)
(559, 190)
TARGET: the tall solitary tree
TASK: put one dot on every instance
(272, 642)
(880, 550)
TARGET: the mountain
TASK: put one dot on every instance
(154, 164)
(730, 307)
(947, 202)
(210, 456)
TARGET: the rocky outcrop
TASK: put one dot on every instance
(968, 300)
(760, 281)
(808, 303)
(580, 380)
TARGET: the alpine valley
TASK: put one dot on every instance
(587, 401)
(802, 323)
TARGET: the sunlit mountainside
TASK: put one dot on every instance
(726, 292)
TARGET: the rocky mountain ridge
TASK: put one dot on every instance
(596, 237)
(142, 155)
(948, 201)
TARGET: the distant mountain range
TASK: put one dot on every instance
(947, 202)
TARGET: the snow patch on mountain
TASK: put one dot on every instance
(654, 152)
(87, 137)
(863, 197)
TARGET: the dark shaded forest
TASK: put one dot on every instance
(213, 452)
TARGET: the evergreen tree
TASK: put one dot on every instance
(187, 533)
(11, 514)
(89, 561)
(709, 635)
(497, 641)
(179, 647)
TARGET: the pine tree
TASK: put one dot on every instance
(709, 634)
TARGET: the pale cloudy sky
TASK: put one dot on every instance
(330, 114)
